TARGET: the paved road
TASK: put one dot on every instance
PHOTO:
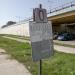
(11, 67)
(65, 42)
(56, 47)
(64, 49)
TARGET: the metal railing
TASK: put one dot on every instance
(68, 5)
(64, 6)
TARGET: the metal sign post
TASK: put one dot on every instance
(40, 68)
(41, 36)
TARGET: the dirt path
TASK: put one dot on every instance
(11, 67)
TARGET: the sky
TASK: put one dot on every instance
(17, 10)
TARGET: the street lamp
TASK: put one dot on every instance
(50, 2)
(18, 18)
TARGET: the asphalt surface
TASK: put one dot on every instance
(65, 42)
(64, 49)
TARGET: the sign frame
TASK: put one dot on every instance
(41, 41)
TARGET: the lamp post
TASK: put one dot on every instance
(50, 2)
(18, 18)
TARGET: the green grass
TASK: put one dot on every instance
(58, 64)
(65, 45)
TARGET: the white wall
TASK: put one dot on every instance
(16, 29)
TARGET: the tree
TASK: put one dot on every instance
(8, 24)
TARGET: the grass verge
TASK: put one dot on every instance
(59, 64)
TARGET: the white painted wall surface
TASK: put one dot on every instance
(16, 29)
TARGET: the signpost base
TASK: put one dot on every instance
(40, 68)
